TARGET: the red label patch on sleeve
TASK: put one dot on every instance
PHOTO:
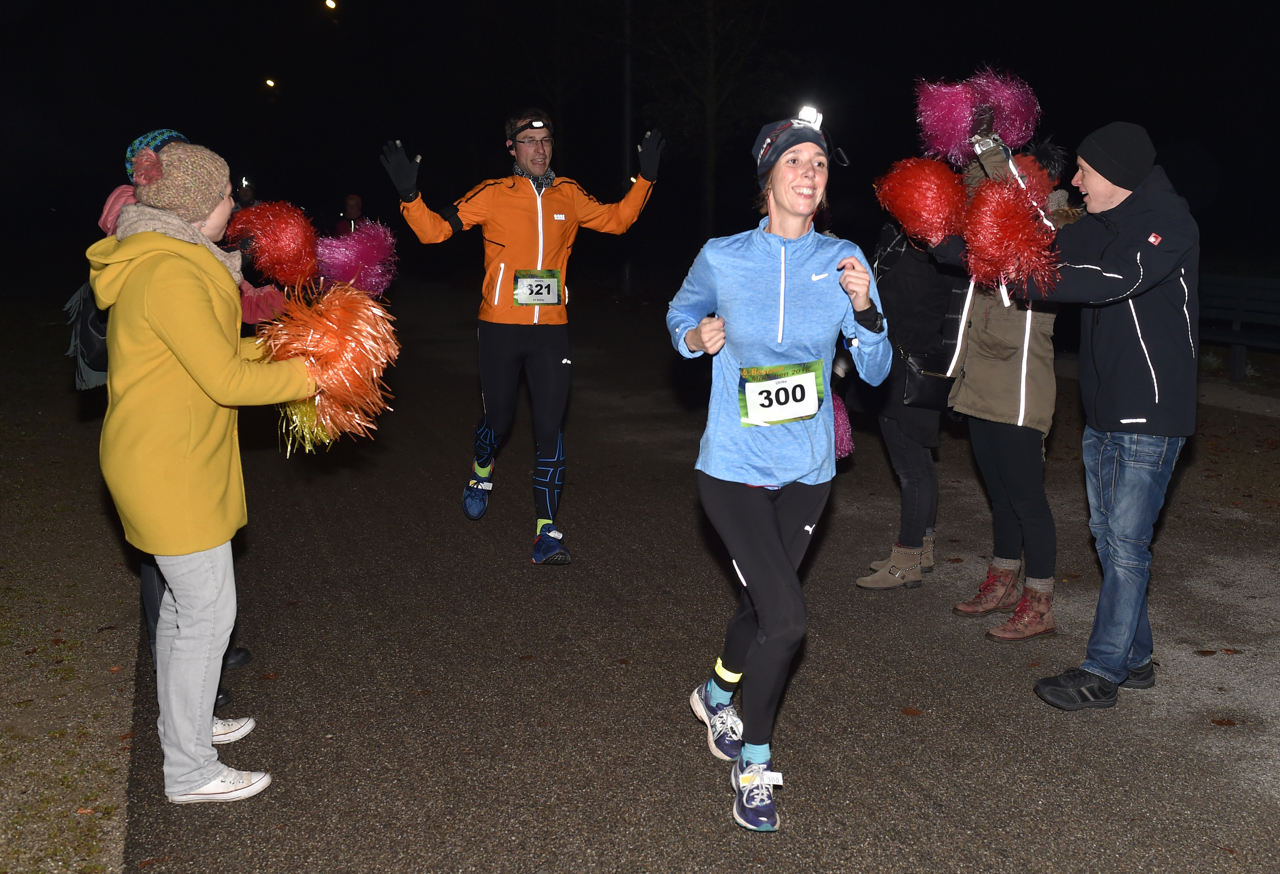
(1154, 239)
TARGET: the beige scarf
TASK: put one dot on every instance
(137, 218)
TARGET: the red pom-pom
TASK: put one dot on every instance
(1036, 178)
(1007, 240)
(925, 197)
(146, 168)
(282, 242)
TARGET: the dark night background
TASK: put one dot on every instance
(81, 83)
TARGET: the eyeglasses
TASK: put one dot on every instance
(545, 142)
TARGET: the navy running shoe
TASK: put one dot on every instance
(475, 497)
(549, 547)
(753, 807)
(724, 728)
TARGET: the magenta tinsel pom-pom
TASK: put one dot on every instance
(925, 197)
(1017, 111)
(365, 258)
(945, 113)
(844, 431)
(1006, 240)
(282, 243)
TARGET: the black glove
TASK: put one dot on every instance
(650, 150)
(403, 172)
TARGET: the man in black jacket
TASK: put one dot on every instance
(1134, 262)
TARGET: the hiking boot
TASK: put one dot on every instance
(1140, 678)
(548, 548)
(475, 497)
(753, 805)
(1077, 689)
(999, 592)
(902, 569)
(724, 728)
(1033, 617)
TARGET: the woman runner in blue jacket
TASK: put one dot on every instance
(780, 297)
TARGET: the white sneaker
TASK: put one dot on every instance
(226, 731)
(233, 785)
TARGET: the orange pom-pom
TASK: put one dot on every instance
(146, 168)
(1006, 238)
(347, 341)
(925, 197)
(281, 241)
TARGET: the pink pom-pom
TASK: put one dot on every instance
(282, 243)
(1006, 239)
(925, 197)
(1017, 111)
(844, 431)
(945, 113)
(365, 258)
(146, 168)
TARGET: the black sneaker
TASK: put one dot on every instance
(1076, 689)
(1140, 678)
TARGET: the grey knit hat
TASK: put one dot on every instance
(184, 179)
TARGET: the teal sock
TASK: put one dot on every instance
(755, 754)
(716, 696)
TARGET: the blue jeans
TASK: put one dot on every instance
(1126, 476)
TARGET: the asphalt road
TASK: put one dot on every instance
(428, 700)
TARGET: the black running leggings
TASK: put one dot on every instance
(543, 352)
(767, 532)
(1011, 458)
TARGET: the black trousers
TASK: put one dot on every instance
(1011, 458)
(767, 532)
(918, 479)
(542, 351)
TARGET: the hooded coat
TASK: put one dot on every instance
(178, 370)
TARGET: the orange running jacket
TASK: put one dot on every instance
(527, 231)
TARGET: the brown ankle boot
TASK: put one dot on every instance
(999, 592)
(926, 558)
(1032, 618)
(902, 569)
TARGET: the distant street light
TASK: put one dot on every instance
(271, 83)
(330, 4)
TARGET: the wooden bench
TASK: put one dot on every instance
(1240, 311)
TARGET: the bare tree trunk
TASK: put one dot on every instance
(710, 102)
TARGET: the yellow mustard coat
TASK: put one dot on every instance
(177, 371)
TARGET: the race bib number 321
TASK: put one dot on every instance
(537, 288)
(780, 393)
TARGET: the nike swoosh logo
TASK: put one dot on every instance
(818, 276)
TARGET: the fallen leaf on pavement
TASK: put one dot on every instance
(1226, 723)
(127, 736)
(270, 676)
(115, 670)
(1206, 652)
(81, 811)
(911, 711)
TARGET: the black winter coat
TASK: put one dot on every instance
(1136, 267)
(915, 293)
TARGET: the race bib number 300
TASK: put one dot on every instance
(780, 393)
(537, 288)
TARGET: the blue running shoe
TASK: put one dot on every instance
(549, 548)
(724, 728)
(753, 807)
(475, 497)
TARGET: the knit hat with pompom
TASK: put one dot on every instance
(189, 181)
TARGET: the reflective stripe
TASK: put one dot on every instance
(725, 674)
(502, 266)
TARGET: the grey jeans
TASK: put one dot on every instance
(196, 616)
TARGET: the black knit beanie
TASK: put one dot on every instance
(1121, 152)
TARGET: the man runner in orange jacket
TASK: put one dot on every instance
(529, 220)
